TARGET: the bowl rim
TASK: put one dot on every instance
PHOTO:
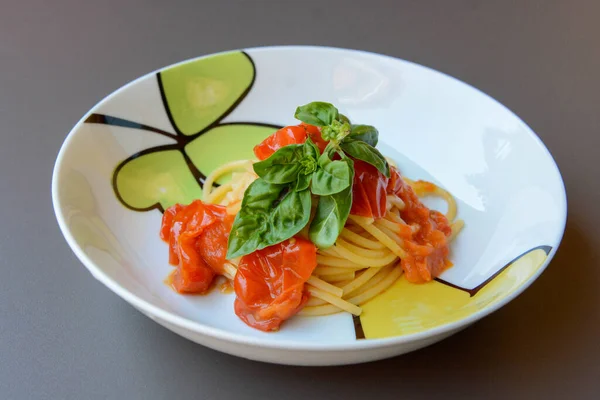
(291, 345)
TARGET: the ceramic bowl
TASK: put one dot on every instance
(150, 144)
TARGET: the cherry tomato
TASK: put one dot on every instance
(165, 229)
(368, 191)
(295, 134)
(283, 137)
(197, 235)
(269, 283)
(212, 245)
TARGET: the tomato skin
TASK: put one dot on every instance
(295, 134)
(368, 191)
(269, 283)
(212, 245)
(283, 137)
(166, 229)
(197, 235)
(395, 183)
(427, 248)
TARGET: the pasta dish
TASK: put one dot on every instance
(320, 223)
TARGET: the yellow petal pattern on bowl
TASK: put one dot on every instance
(409, 308)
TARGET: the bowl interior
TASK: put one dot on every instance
(149, 144)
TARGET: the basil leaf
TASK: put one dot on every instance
(317, 113)
(246, 235)
(270, 214)
(261, 195)
(303, 182)
(308, 163)
(365, 133)
(251, 222)
(288, 217)
(342, 118)
(367, 153)
(282, 166)
(330, 218)
(311, 149)
(332, 176)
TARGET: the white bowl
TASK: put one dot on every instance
(124, 162)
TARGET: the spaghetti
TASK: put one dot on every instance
(321, 223)
(365, 259)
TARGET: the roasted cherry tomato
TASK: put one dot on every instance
(283, 137)
(427, 245)
(269, 283)
(368, 191)
(197, 235)
(289, 135)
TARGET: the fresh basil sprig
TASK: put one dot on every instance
(317, 113)
(277, 205)
(332, 213)
(283, 166)
(334, 126)
(294, 163)
(332, 176)
(270, 214)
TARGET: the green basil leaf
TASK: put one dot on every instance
(330, 218)
(288, 217)
(342, 118)
(251, 222)
(317, 113)
(308, 163)
(332, 176)
(247, 233)
(367, 153)
(282, 166)
(365, 133)
(303, 182)
(270, 214)
(261, 195)
(311, 149)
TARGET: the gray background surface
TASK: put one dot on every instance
(65, 336)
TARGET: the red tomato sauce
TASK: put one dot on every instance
(269, 283)
(197, 235)
(427, 247)
(295, 134)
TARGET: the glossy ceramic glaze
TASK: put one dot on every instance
(151, 143)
